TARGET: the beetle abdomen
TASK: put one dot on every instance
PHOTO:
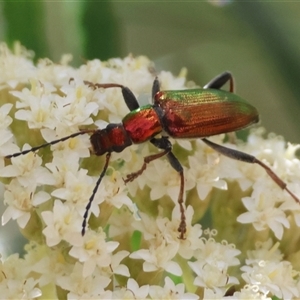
(201, 113)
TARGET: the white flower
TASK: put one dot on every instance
(212, 277)
(265, 251)
(262, 210)
(211, 266)
(273, 277)
(161, 228)
(162, 180)
(203, 171)
(270, 273)
(121, 222)
(113, 191)
(147, 225)
(62, 164)
(36, 105)
(210, 294)
(5, 134)
(221, 255)
(20, 289)
(169, 82)
(75, 108)
(115, 267)
(21, 201)
(28, 170)
(159, 257)
(77, 190)
(193, 236)
(162, 235)
(94, 251)
(5, 119)
(131, 291)
(170, 291)
(249, 292)
(49, 264)
(64, 223)
(81, 287)
(16, 67)
(16, 282)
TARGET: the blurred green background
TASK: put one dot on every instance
(257, 41)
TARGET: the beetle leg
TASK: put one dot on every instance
(161, 143)
(130, 99)
(128, 95)
(221, 80)
(164, 144)
(178, 167)
(217, 83)
(132, 176)
(155, 87)
(238, 155)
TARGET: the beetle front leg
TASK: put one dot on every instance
(128, 95)
(242, 156)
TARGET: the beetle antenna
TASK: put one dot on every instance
(33, 149)
(87, 208)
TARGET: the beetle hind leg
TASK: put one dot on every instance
(221, 80)
(242, 156)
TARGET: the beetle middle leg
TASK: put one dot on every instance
(164, 144)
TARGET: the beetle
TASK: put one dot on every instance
(191, 113)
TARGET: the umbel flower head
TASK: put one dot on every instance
(242, 229)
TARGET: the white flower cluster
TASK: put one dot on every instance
(131, 248)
